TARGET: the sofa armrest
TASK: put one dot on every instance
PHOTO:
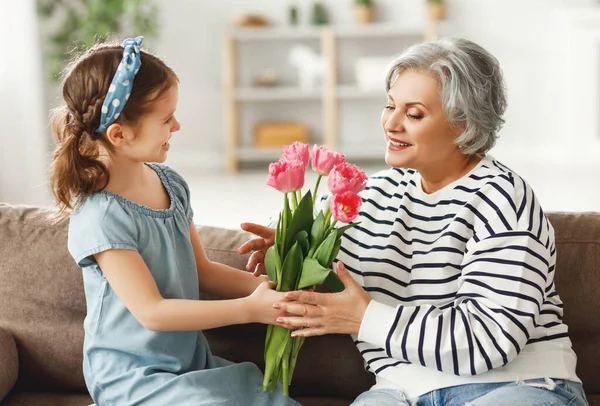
(9, 363)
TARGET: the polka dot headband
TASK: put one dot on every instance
(122, 83)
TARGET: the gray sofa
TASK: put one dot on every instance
(42, 308)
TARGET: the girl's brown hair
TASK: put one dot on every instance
(77, 169)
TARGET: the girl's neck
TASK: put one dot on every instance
(439, 176)
(125, 175)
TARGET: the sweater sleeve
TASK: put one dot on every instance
(495, 310)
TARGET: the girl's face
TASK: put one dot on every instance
(148, 141)
(417, 132)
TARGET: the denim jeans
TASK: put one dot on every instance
(533, 392)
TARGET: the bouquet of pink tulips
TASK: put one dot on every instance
(305, 246)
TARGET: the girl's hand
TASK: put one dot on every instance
(258, 245)
(325, 313)
(260, 304)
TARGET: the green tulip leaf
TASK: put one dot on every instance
(312, 273)
(301, 219)
(292, 266)
(324, 251)
(317, 232)
(302, 239)
(342, 230)
(273, 263)
(334, 252)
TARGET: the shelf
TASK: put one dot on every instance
(342, 31)
(296, 93)
(252, 154)
(277, 93)
(276, 33)
(376, 30)
(355, 92)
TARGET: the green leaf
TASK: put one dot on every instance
(301, 219)
(342, 230)
(273, 264)
(334, 252)
(302, 239)
(324, 251)
(334, 283)
(292, 266)
(313, 273)
(317, 232)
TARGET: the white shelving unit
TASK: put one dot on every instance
(330, 95)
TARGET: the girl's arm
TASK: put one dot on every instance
(219, 279)
(132, 281)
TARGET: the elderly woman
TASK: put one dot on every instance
(449, 278)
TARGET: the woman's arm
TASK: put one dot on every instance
(219, 279)
(133, 283)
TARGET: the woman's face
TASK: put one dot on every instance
(416, 130)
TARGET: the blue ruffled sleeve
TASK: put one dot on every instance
(100, 224)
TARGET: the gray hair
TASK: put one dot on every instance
(472, 88)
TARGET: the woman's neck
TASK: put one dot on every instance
(440, 175)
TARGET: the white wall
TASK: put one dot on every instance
(23, 142)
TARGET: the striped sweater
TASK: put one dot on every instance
(462, 282)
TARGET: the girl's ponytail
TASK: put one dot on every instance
(76, 169)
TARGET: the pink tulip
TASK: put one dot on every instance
(296, 151)
(286, 175)
(345, 207)
(324, 159)
(346, 177)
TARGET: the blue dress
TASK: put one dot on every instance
(125, 364)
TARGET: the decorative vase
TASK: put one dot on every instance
(364, 14)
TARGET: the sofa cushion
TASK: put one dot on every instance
(578, 282)
(9, 363)
(42, 302)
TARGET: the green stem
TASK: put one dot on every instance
(283, 227)
(316, 188)
(285, 368)
(297, 344)
(295, 200)
(327, 216)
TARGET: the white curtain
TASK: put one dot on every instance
(24, 143)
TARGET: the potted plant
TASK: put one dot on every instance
(364, 11)
(81, 23)
(436, 9)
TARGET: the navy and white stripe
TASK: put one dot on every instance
(461, 279)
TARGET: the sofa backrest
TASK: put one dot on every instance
(42, 304)
(578, 284)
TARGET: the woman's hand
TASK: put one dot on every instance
(258, 245)
(260, 304)
(325, 313)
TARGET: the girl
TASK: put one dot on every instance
(131, 232)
